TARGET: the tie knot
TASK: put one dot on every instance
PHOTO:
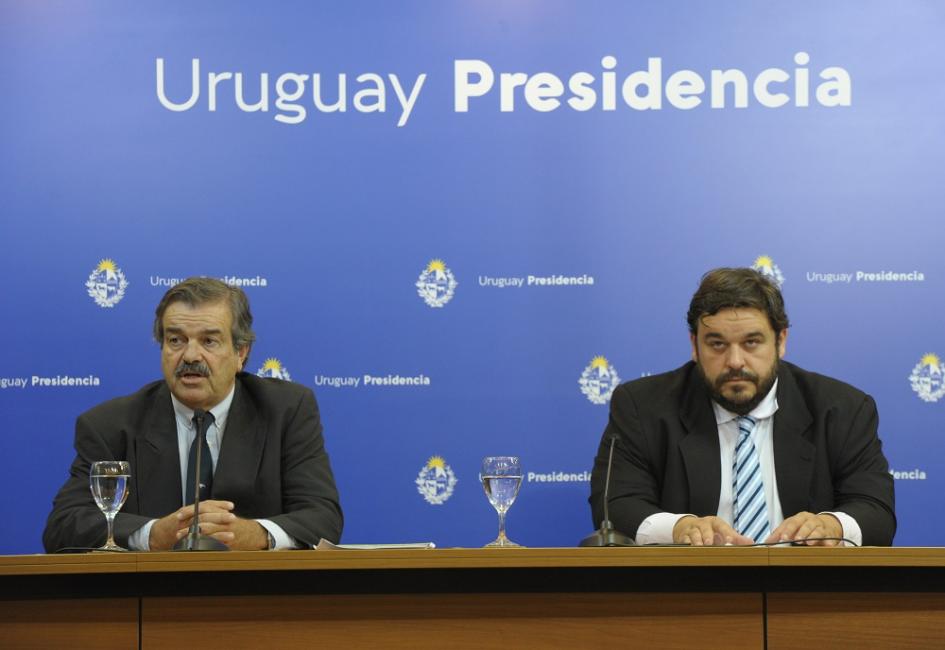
(203, 416)
(746, 424)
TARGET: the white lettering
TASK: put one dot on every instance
(262, 104)
(406, 103)
(13, 382)
(542, 90)
(764, 79)
(377, 92)
(213, 79)
(739, 88)
(681, 87)
(194, 87)
(837, 90)
(463, 88)
(284, 97)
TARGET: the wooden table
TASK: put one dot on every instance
(668, 597)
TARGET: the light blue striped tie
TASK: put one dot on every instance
(751, 511)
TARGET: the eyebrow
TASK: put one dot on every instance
(716, 335)
(180, 330)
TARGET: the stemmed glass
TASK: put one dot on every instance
(108, 480)
(501, 478)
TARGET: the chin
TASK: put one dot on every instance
(741, 397)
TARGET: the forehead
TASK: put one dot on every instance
(208, 316)
(734, 322)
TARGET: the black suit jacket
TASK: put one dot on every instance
(827, 454)
(272, 464)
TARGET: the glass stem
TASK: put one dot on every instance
(110, 518)
(501, 525)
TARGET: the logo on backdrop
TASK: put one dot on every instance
(106, 284)
(436, 481)
(274, 369)
(766, 267)
(436, 284)
(928, 378)
(599, 380)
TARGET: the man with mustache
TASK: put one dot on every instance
(739, 447)
(269, 483)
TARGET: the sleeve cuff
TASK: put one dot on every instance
(658, 528)
(851, 529)
(278, 538)
(138, 540)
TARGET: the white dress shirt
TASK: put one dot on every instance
(184, 416)
(658, 528)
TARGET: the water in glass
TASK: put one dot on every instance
(110, 491)
(108, 480)
(501, 478)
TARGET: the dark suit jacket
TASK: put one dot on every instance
(827, 455)
(272, 464)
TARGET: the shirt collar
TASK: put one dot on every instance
(767, 408)
(185, 414)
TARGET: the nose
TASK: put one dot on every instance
(734, 358)
(192, 351)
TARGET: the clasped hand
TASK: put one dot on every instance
(216, 520)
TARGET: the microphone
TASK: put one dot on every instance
(194, 540)
(607, 535)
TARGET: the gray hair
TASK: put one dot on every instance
(201, 291)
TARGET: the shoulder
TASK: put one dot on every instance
(266, 390)
(126, 404)
(824, 397)
(655, 390)
(820, 390)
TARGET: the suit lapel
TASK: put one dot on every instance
(700, 447)
(793, 453)
(243, 443)
(159, 459)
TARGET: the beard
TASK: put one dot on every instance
(740, 404)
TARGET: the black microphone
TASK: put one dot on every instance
(193, 540)
(607, 535)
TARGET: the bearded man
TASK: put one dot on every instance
(738, 447)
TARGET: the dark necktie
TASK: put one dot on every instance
(206, 462)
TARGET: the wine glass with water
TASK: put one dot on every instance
(109, 482)
(501, 478)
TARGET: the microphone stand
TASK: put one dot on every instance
(194, 540)
(607, 535)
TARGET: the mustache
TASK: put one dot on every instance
(742, 374)
(194, 368)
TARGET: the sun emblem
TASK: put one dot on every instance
(766, 267)
(436, 284)
(106, 284)
(599, 380)
(928, 378)
(436, 481)
(273, 368)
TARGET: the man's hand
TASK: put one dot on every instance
(239, 534)
(707, 531)
(216, 520)
(808, 528)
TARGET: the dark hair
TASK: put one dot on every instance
(202, 291)
(726, 288)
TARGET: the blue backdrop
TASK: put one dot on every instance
(485, 260)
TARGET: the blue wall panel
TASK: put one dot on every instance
(341, 213)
